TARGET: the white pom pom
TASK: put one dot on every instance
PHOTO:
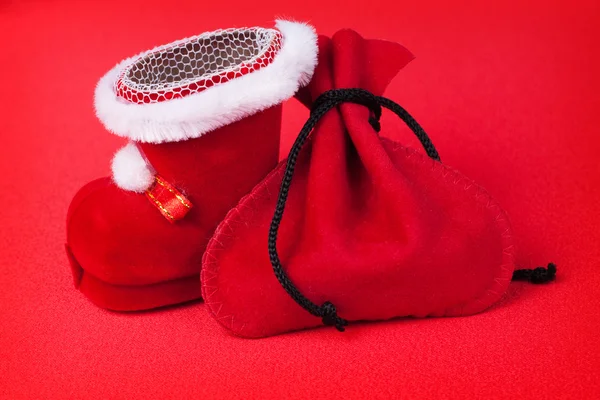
(130, 170)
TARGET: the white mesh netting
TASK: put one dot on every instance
(194, 64)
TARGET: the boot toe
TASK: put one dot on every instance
(120, 238)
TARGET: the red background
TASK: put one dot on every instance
(509, 94)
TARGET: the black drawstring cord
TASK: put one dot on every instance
(325, 102)
(537, 275)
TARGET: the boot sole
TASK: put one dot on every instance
(132, 298)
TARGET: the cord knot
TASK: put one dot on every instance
(330, 317)
(543, 275)
(537, 275)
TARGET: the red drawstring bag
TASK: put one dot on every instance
(363, 227)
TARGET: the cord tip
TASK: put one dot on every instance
(330, 317)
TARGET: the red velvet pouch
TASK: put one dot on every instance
(363, 228)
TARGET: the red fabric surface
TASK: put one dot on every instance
(120, 243)
(509, 94)
(378, 230)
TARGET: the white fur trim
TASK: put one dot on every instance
(130, 170)
(194, 115)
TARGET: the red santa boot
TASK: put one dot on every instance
(203, 115)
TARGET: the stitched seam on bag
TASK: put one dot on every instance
(501, 218)
(217, 245)
(436, 167)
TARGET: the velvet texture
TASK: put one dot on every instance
(126, 256)
(378, 229)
